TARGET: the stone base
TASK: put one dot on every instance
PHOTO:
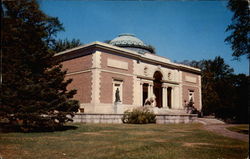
(167, 111)
(116, 118)
(167, 119)
(97, 118)
(118, 108)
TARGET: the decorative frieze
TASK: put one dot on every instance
(191, 79)
(117, 64)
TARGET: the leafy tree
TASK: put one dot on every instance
(223, 94)
(212, 72)
(240, 84)
(61, 45)
(33, 90)
(239, 38)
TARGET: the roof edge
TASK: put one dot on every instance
(131, 53)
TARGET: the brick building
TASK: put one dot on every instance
(126, 73)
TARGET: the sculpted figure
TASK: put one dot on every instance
(150, 101)
(117, 95)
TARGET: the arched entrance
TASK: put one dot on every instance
(158, 88)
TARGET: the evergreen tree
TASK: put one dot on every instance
(33, 89)
(61, 45)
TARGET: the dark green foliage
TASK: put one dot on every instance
(152, 49)
(233, 93)
(224, 94)
(107, 41)
(140, 115)
(33, 89)
(61, 45)
(239, 28)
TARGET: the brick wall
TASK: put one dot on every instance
(82, 82)
(193, 86)
(106, 90)
(185, 95)
(106, 78)
(78, 64)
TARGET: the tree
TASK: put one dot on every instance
(239, 38)
(224, 94)
(61, 45)
(213, 71)
(152, 49)
(241, 92)
(107, 41)
(33, 90)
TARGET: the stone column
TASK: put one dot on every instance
(164, 96)
(150, 90)
(149, 93)
(167, 96)
(173, 98)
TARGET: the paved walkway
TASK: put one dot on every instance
(219, 127)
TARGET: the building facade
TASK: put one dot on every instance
(126, 73)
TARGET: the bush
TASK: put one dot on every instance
(139, 115)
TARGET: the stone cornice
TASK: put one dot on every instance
(142, 57)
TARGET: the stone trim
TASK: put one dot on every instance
(190, 85)
(96, 63)
(125, 74)
(100, 45)
(200, 95)
(78, 72)
(181, 102)
(117, 64)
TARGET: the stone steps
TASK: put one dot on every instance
(209, 121)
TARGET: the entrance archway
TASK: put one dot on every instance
(158, 88)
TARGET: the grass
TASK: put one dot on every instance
(123, 141)
(244, 129)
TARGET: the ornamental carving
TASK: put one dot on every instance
(145, 70)
(159, 67)
(169, 76)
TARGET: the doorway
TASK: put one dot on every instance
(145, 92)
(158, 88)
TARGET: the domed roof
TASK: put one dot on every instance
(130, 41)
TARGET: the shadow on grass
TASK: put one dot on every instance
(7, 128)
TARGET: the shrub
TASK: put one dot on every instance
(139, 115)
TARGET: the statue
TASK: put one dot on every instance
(117, 95)
(189, 106)
(150, 101)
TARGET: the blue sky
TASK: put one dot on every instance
(179, 30)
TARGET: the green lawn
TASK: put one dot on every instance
(244, 128)
(122, 141)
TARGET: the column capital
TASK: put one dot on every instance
(164, 86)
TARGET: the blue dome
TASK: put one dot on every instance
(130, 41)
